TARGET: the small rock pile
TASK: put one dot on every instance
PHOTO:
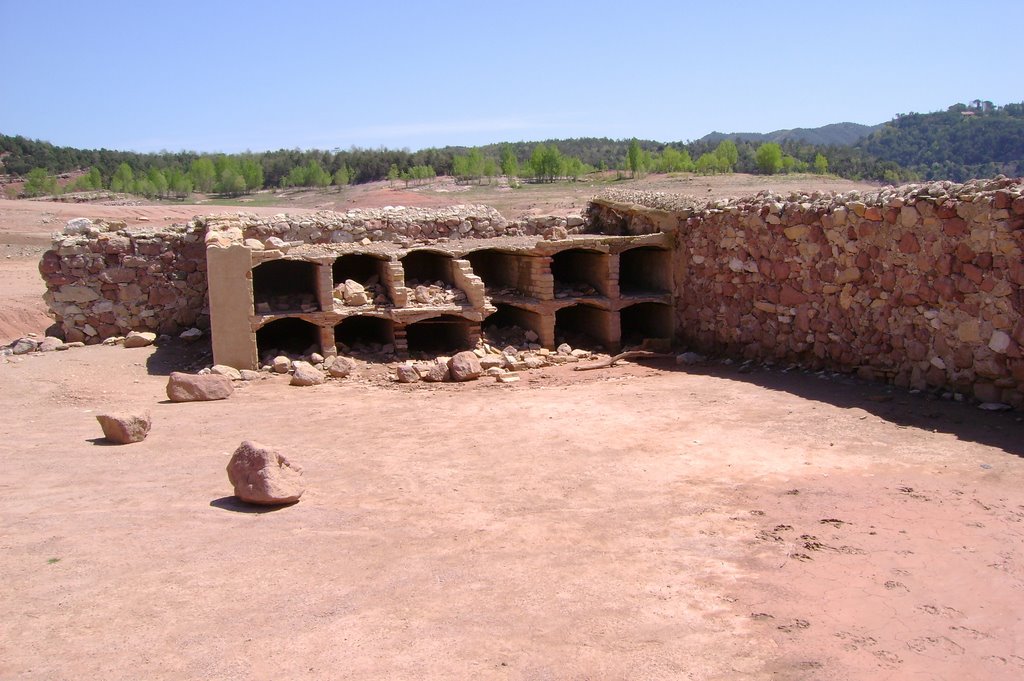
(351, 293)
(504, 364)
(434, 294)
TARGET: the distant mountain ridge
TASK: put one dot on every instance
(833, 134)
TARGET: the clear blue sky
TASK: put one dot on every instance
(229, 76)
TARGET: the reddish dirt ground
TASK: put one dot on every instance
(627, 523)
(637, 522)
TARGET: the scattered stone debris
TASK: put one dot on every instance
(434, 294)
(182, 387)
(260, 475)
(124, 429)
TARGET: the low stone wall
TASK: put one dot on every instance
(385, 224)
(921, 285)
(105, 280)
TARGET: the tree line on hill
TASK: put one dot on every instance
(964, 141)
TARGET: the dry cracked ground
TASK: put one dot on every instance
(636, 522)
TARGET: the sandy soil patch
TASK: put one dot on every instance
(633, 523)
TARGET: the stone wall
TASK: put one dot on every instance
(393, 224)
(105, 280)
(921, 285)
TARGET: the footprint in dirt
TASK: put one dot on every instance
(893, 585)
(888, 659)
(941, 610)
(797, 625)
(856, 642)
(925, 644)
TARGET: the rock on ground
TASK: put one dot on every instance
(261, 475)
(407, 373)
(306, 374)
(183, 387)
(124, 429)
(339, 367)
(139, 339)
(51, 343)
(433, 372)
(465, 366)
(225, 370)
(281, 364)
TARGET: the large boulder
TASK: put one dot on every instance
(183, 387)
(261, 475)
(124, 429)
(465, 366)
(306, 374)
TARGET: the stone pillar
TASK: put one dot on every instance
(229, 273)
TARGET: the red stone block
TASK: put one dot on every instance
(909, 244)
(954, 227)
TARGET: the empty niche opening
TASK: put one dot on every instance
(427, 267)
(364, 334)
(289, 336)
(511, 325)
(582, 326)
(645, 320)
(444, 334)
(284, 286)
(578, 272)
(645, 270)
(363, 269)
(498, 270)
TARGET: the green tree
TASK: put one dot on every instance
(674, 161)
(708, 164)
(509, 163)
(768, 158)
(634, 158)
(490, 169)
(252, 172)
(179, 184)
(342, 177)
(727, 152)
(40, 183)
(203, 174)
(231, 182)
(123, 179)
(158, 181)
(820, 164)
(393, 174)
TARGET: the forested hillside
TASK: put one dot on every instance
(834, 134)
(974, 140)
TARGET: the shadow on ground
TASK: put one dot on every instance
(178, 355)
(924, 410)
(233, 503)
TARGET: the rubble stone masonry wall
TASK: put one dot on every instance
(921, 285)
(105, 280)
